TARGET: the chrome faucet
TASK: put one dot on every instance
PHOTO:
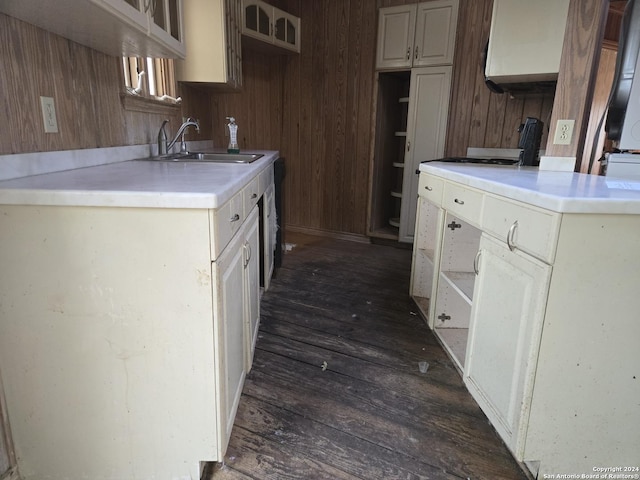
(164, 145)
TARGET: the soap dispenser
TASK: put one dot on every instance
(233, 136)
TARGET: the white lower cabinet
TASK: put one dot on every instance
(541, 323)
(237, 301)
(506, 322)
(127, 331)
(252, 284)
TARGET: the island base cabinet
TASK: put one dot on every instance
(552, 353)
(585, 408)
(120, 340)
(503, 336)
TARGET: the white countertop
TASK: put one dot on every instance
(137, 183)
(564, 192)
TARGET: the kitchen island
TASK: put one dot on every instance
(530, 281)
(129, 308)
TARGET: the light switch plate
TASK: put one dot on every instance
(49, 115)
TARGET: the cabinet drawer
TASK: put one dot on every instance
(251, 194)
(463, 202)
(431, 188)
(225, 222)
(536, 230)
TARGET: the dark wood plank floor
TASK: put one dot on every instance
(335, 391)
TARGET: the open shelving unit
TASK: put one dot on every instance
(456, 281)
(389, 153)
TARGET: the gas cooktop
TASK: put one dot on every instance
(484, 161)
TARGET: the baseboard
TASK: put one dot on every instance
(351, 237)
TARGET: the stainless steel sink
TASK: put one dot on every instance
(209, 157)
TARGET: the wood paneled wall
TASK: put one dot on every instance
(577, 78)
(326, 108)
(86, 87)
(478, 117)
(317, 108)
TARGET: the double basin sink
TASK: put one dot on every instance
(208, 157)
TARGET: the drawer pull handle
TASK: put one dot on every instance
(235, 218)
(458, 201)
(510, 234)
(453, 225)
(247, 256)
(427, 187)
(254, 195)
(476, 262)
(408, 52)
(443, 317)
(416, 53)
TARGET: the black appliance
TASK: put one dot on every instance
(279, 174)
(530, 136)
(278, 178)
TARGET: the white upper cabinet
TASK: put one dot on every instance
(417, 35)
(525, 41)
(212, 36)
(115, 27)
(270, 25)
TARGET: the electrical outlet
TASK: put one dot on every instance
(49, 115)
(564, 132)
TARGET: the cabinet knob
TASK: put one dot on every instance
(458, 201)
(408, 52)
(235, 218)
(510, 234)
(427, 187)
(254, 195)
(416, 54)
(408, 146)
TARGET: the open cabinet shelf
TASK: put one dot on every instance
(389, 156)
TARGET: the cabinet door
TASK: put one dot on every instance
(396, 28)
(230, 312)
(212, 37)
(252, 283)
(166, 21)
(426, 130)
(506, 322)
(425, 262)
(286, 30)
(435, 33)
(257, 20)
(270, 229)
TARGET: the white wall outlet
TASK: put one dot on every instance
(49, 115)
(564, 132)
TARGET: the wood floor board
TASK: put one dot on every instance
(319, 441)
(440, 442)
(254, 455)
(386, 332)
(362, 359)
(328, 281)
(343, 304)
(369, 413)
